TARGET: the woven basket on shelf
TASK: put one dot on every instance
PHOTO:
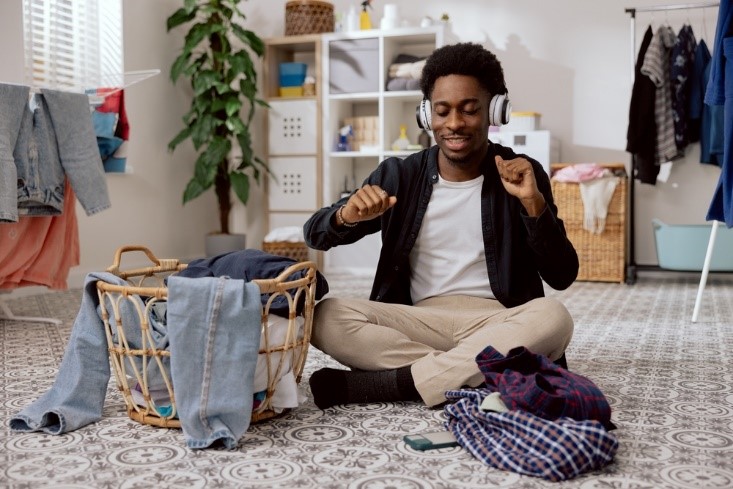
(602, 256)
(297, 251)
(308, 17)
(131, 366)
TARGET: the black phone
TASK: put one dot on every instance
(432, 440)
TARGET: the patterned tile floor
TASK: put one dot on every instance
(669, 381)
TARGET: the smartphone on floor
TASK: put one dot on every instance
(431, 440)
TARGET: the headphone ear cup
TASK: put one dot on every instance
(500, 108)
(423, 115)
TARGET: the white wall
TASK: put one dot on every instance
(570, 60)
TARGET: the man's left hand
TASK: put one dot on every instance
(518, 179)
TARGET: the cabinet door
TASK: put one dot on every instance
(292, 184)
(293, 127)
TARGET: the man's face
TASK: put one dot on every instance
(460, 118)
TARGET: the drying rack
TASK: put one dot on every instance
(632, 265)
(96, 90)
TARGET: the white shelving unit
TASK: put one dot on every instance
(293, 128)
(348, 60)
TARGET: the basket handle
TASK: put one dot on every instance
(158, 264)
(131, 248)
(281, 282)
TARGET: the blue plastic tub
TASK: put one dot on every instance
(683, 247)
(292, 74)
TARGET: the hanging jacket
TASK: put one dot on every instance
(641, 135)
(656, 67)
(720, 91)
(680, 72)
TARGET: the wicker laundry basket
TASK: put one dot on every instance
(296, 250)
(602, 256)
(131, 366)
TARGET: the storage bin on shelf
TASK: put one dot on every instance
(308, 17)
(602, 256)
(283, 346)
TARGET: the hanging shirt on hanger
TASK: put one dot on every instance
(656, 67)
(680, 71)
(641, 135)
(705, 121)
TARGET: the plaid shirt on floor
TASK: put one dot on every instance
(524, 443)
(533, 383)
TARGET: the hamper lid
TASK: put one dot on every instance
(322, 3)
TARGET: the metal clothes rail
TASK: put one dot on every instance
(632, 265)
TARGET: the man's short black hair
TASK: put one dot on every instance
(465, 58)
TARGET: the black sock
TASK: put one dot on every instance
(331, 386)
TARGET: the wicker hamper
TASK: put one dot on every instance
(308, 17)
(602, 256)
(131, 366)
(298, 251)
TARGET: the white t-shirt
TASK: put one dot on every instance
(448, 257)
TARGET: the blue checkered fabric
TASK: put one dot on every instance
(531, 382)
(521, 442)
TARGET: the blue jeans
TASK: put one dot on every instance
(213, 327)
(54, 141)
(13, 102)
(76, 397)
(214, 332)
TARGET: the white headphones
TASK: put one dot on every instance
(499, 110)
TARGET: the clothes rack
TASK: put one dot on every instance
(632, 265)
(96, 90)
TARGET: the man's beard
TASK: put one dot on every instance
(458, 161)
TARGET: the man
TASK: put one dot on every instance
(469, 231)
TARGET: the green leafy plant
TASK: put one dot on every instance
(218, 60)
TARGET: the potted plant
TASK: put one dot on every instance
(218, 60)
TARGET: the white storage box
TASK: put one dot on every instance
(292, 127)
(522, 122)
(354, 66)
(292, 183)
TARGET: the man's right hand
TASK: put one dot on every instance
(368, 202)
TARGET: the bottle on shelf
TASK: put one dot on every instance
(365, 22)
(343, 143)
(352, 20)
(401, 143)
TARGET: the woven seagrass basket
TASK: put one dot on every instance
(297, 251)
(308, 17)
(602, 256)
(131, 366)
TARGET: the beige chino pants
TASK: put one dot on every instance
(439, 337)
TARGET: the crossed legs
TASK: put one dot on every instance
(438, 338)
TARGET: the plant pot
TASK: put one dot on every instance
(218, 244)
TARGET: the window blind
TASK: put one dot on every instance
(74, 44)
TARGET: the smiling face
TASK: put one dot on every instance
(460, 122)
